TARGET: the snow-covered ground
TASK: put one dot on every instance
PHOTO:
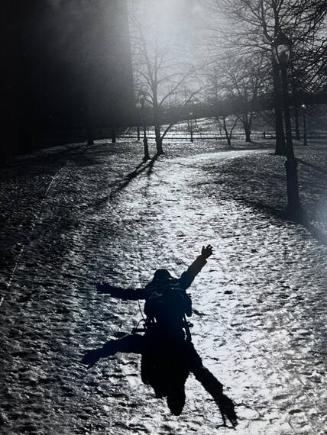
(73, 216)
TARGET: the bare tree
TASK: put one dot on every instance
(308, 70)
(227, 124)
(255, 25)
(242, 80)
(160, 72)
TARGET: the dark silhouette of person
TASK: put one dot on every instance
(167, 352)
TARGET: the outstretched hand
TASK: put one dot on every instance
(91, 357)
(206, 251)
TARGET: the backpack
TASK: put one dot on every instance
(168, 304)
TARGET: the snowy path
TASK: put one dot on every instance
(261, 300)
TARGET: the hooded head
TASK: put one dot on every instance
(161, 275)
(161, 281)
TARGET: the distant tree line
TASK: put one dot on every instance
(239, 61)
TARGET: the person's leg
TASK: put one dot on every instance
(176, 398)
(128, 344)
(202, 374)
(212, 386)
(152, 362)
(164, 366)
(177, 371)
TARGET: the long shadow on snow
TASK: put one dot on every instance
(320, 236)
(120, 185)
(165, 366)
(310, 165)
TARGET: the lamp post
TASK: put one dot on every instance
(113, 135)
(191, 125)
(282, 52)
(140, 106)
(304, 114)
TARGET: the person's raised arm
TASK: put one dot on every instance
(188, 276)
(121, 293)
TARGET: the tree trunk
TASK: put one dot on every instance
(248, 135)
(90, 139)
(145, 145)
(228, 138)
(247, 127)
(280, 149)
(158, 139)
(296, 122)
(296, 108)
(159, 146)
(113, 135)
(227, 135)
(157, 131)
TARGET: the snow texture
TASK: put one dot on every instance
(72, 216)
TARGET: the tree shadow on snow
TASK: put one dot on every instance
(120, 185)
(283, 215)
(315, 167)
